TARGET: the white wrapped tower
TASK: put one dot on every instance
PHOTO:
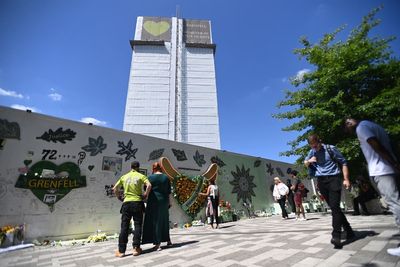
(172, 89)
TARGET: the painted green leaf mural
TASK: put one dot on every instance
(127, 150)
(156, 154)
(179, 154)
(95, 146)
(199, 159)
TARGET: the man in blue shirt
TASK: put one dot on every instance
(325, 159)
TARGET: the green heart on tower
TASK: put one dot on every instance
(156, 28)
(50, 182)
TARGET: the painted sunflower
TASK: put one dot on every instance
(243, 184)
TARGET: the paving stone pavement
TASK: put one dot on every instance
(251, 242)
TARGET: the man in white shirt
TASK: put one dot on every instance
(382, 164)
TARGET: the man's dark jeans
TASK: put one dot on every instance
(129, 210)
(331, 188)
(291, 201)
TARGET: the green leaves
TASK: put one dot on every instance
(356, 77)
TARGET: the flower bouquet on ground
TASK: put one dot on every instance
(225, 213)
(11, 235)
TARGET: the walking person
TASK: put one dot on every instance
(132, 207)
(325, 160)
(280, 195)
(212, 203)
(299, 191)
(383, 166)
(156, 219)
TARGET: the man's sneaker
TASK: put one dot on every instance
(394, 251)
(137, 251)
(335, 241)
(119, 254)
(303, 219)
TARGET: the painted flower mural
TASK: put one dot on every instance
(243, 184)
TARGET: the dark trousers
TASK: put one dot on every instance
(291, 202)
(129, 210)
(331, 188)
(215, 203)
(359, 201)
(281, 202)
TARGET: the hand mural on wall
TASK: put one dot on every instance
(186, 188)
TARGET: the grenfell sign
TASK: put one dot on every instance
(50, 182)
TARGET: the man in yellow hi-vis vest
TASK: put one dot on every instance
(133, 207)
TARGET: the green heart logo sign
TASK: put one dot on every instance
(50, 182)
(156, 28)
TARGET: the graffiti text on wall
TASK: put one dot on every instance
(9, 130)
(50, 182)
(58, 135)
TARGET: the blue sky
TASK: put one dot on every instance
(71, 58)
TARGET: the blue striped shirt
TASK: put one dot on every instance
(325, 165)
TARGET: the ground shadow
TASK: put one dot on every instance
(312, 219)
(359, 235)
(225, 226)
(174, 245)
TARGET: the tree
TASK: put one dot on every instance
(357, 77)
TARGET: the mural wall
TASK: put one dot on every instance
(56, 175)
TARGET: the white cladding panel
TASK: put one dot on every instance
(147, 105)
(172, 90)
(200, 124)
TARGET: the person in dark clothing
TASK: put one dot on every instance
(325, 159)
(133, 207)
(365, 194)
(156, 220)
(291, 196)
